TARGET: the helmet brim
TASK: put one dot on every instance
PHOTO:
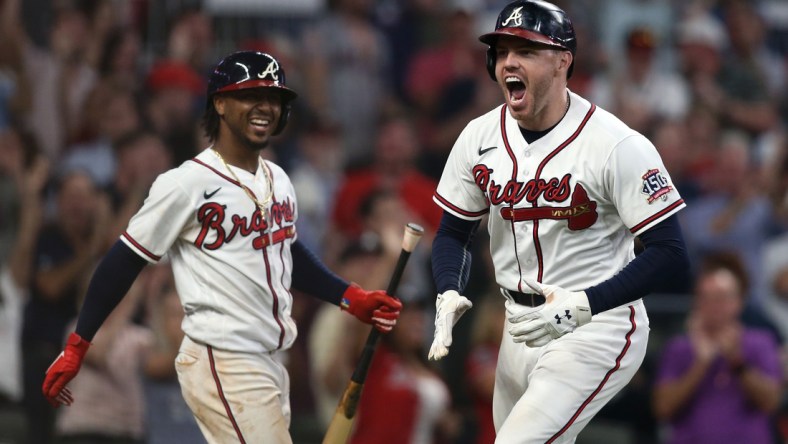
(287, 93)
(491, 38)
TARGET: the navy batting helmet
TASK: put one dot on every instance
(251, 69)
(537, 21)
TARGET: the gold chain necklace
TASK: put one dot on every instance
(261, 205)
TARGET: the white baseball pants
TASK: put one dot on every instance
(549, 394)
(235, 397)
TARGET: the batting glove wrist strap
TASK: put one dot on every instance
(371, 307)
(63, 370)
(563, 312)
(450, 307)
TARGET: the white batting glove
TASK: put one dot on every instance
(451, 305)
(562, 313)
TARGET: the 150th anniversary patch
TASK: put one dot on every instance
(655, 185)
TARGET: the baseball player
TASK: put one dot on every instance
(226, 218)
(566, 187)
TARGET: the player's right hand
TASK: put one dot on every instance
(450, 305)
(63, 370)
(372, 307)
(563, 312)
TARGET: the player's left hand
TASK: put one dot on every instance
(449, 305)
(64, 369)
(562, 313)
(372, 307)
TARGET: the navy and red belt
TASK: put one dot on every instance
(527, 299)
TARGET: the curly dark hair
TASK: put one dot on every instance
(210, 121)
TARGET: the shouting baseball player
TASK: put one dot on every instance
(567, 187)
(227, 219)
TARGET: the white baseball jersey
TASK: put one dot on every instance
(565, 208)
(232, 267)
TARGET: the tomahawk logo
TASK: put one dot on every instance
(558, 318)
(516, 17)
(271, 70)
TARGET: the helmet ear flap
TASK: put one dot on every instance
(491, 62)
(282, 118)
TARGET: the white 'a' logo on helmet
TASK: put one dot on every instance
(516, 17)
(271, 70)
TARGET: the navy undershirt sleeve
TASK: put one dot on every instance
(110, 282)
(451, 256)
(663, 263)
(311, 276)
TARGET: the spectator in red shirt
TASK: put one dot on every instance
(393, 169)
(404, 400)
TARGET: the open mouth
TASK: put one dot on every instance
(260, 123)
(516, 89)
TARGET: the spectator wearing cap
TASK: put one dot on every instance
(701, 41)
(643, 92)
(175, 100)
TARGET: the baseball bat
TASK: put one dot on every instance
(341, 424)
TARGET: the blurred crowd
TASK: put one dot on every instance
(98, 97)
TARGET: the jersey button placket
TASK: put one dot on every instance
(526, 169)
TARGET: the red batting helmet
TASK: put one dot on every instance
(537, 21)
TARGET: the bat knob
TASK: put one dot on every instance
(413, 233)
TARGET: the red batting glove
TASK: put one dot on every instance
(63, 370)
(372, 307)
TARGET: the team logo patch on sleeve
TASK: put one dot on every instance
(655, 185)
